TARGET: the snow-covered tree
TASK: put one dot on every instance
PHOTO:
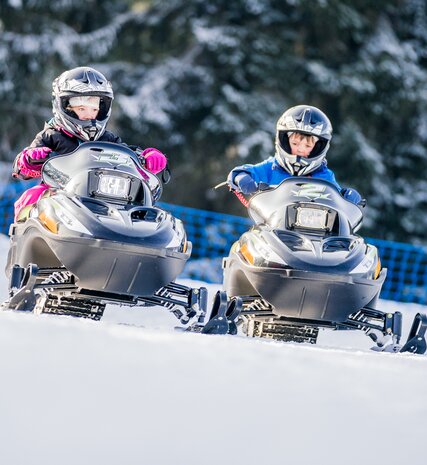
(40, 39)
(206, 82)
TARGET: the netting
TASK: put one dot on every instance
(212, 235)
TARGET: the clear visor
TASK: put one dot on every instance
(90, 101)
(302, 135)
(100, 102)
(319, 142)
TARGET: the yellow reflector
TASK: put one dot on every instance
(49, 222)
(377, 269)
(244, 250)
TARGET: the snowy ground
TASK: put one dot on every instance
(76, 392)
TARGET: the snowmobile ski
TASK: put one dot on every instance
(302, 267)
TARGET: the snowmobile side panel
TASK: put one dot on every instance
(302, 294)
(101, 265)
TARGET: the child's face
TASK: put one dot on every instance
(85, 113)
(301, 145)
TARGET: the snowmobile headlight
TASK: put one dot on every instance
(113, 186)
(311, 218)
(69, 221)
(258, 253)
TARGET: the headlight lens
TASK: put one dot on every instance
(258, 253)
(113, 186)
(312, 218)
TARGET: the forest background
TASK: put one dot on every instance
(205, 82)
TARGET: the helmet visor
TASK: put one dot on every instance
(319, 143)
(90, 101)
(101, 102)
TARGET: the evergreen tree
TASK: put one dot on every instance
(206, 82)
(219, 74)
(40, 39)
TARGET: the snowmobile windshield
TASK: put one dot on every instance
(112, 169)
(306, 204)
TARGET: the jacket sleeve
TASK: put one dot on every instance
(261, 172)
(43, 139)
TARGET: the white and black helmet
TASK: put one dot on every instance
(307, 120)
(82, 82)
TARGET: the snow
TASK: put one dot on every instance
(131, 390)
(214, 36)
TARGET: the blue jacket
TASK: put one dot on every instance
(270, 172)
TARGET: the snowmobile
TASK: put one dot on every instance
(302, 267)
(96, 237)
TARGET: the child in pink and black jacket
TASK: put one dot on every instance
(81, 101)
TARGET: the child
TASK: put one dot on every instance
(81, 101)
(303, 135)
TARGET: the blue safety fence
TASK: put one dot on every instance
(9, 192)
(212, 235)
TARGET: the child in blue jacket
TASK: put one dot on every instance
(303, 135)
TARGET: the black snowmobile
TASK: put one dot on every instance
(302, 267)
(96, 237)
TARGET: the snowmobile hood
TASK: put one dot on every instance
(68, 171)
(278, 207)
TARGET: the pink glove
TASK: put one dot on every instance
(36, 154)
(155, 161)
(28, 162)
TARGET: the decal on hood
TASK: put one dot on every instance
(114, 158)
(312, 192)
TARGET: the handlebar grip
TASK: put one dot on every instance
(41, 161)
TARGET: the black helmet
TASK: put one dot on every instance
(307, 120)
(82, 82)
